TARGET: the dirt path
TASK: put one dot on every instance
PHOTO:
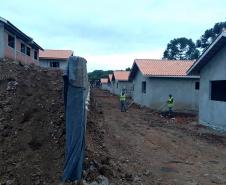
(150, 149)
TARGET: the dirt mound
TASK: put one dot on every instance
(32, 129)
(31, 125)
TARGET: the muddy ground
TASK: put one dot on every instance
(136, 147)
(148, 148)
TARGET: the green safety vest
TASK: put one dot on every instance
(170, 102)
(123, 97)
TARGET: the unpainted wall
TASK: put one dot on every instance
(212, 113)
(15, 53)
(46, 63)
(122, 85)
(104, 86)
(158, 90)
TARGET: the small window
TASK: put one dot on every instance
(28, 51)
(218, 89)
(197, 85)
(35, 55)
(22, 48)
(11, 41)
(144, 87)
(54, 64)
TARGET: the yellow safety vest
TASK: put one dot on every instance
(123, 97)
(170, 102)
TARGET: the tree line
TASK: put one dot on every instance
(185, 49)
(177, 49)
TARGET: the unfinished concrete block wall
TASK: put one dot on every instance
(104, 86)
(158, 90)
(122, 85)
(211, 112)
(182, 89)
(138, 96)
(15, 53)
(46, 63)
(111, 87)
(9, 52)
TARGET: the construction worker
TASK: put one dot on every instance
(123, 101)
(170, 104)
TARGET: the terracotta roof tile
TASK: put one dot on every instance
(152, 67)
(55, 54)
(104, 80)
(121, 75)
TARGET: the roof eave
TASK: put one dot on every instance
(52, 58)
(35, 45)
(10, 27)
(132, 70)
(169, 76)
(201, 58)
(122, 80)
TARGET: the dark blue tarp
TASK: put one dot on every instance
(74, 99)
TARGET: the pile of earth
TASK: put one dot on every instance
(32, 129)
(31, 124)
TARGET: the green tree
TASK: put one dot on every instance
(97, 74)
(128, 69)
(181, 49)
(209, 35)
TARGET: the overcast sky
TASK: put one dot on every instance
(110, 34)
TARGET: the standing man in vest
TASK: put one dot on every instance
(170, 104)
(123, 101)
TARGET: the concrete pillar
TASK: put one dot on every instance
(75, 93)
(2, 41)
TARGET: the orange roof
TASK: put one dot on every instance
(110, 77)
(121, 75)
(55, 54)
(103, 80)
(153, 67)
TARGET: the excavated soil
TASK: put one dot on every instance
(138, 147)
(31, 125)
(32, 128)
